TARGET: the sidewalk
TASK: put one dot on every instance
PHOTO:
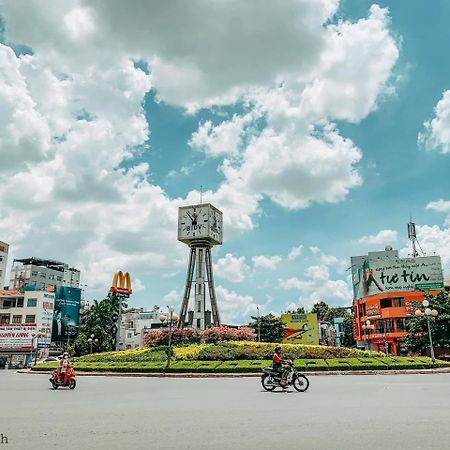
(240, 375)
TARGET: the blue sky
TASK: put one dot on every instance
(315, 126)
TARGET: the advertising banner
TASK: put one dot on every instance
(66, 313)
(376, 275)
(16, 337)
(301, 329)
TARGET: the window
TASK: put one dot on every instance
(129, 335)
(4, 319)
(19, 303)
(43, 275)
(59, 278)
(32, 302)
(386, 303)
(397, 302)
(31, 318)
(17, 319)
(34, 273)
(400, 324)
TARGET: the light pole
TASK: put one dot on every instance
(91, 340)
(37, 335)
(259, 325)
(171, 321)
(427, 312)
(368, 326)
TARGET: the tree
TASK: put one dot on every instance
(299, 310)
(417, 339)
(94, 320)
(324, 312)
(271, 328)
(349, 338)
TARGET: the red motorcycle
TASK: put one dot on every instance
(69, 379)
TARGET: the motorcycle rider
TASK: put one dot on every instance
(64, 363)
(277, 365)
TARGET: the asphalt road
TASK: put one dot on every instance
(338, 412)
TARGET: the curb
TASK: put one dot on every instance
(245, 375)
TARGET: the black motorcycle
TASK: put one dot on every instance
(271, 379)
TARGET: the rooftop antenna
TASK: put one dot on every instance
(412, 236)
(201, 194)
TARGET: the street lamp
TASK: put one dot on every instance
(37, 335)
(427, 312)
(91, 339)
(259, 325)
(368, 326)
(171, 320)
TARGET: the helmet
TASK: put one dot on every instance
(278, 348)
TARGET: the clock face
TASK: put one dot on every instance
(215, 225)
(200, 222)
(194, 222)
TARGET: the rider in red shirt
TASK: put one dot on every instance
(278, 365)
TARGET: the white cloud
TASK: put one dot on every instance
(319, 287)
(266, 262)
(437, 131)
(223, 139)
(234, 307)
(434, 240)
(295, 253)
(439, 205)
(318, 273)
(383, 237)
(172, 297)
(232, 268)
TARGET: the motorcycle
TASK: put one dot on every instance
(69, 380)
(271, 379)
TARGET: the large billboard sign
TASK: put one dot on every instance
(66, 315)
(374, 275)
(301, 329)
(16, 337)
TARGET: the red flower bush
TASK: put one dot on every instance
(193, 336)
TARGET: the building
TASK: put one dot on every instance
(25, 325)
(4, 248)
(40, 274)
(385, 289)
(135, 323)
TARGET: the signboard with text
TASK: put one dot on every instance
(376, 275)
(301, 328)
(16, 337)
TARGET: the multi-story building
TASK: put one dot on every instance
(135, 323)
(25, 324)
(3, 262)
(42, 274)
(386, 289)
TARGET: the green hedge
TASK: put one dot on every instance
(246, 366)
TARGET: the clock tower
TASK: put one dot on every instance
(200, 227)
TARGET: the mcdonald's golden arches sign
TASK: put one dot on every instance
(121, 283)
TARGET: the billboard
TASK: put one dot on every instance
(66, 315)
(374, 275)
(301, 329)
(16, 337)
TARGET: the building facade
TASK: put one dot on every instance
(42, 274)
(25, 325)
(135, 323)
(4, 248)
(386, 289)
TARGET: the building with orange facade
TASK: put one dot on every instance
(386, 289)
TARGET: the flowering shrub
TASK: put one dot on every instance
(238, 350)
(161, 336)
(189, 335)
